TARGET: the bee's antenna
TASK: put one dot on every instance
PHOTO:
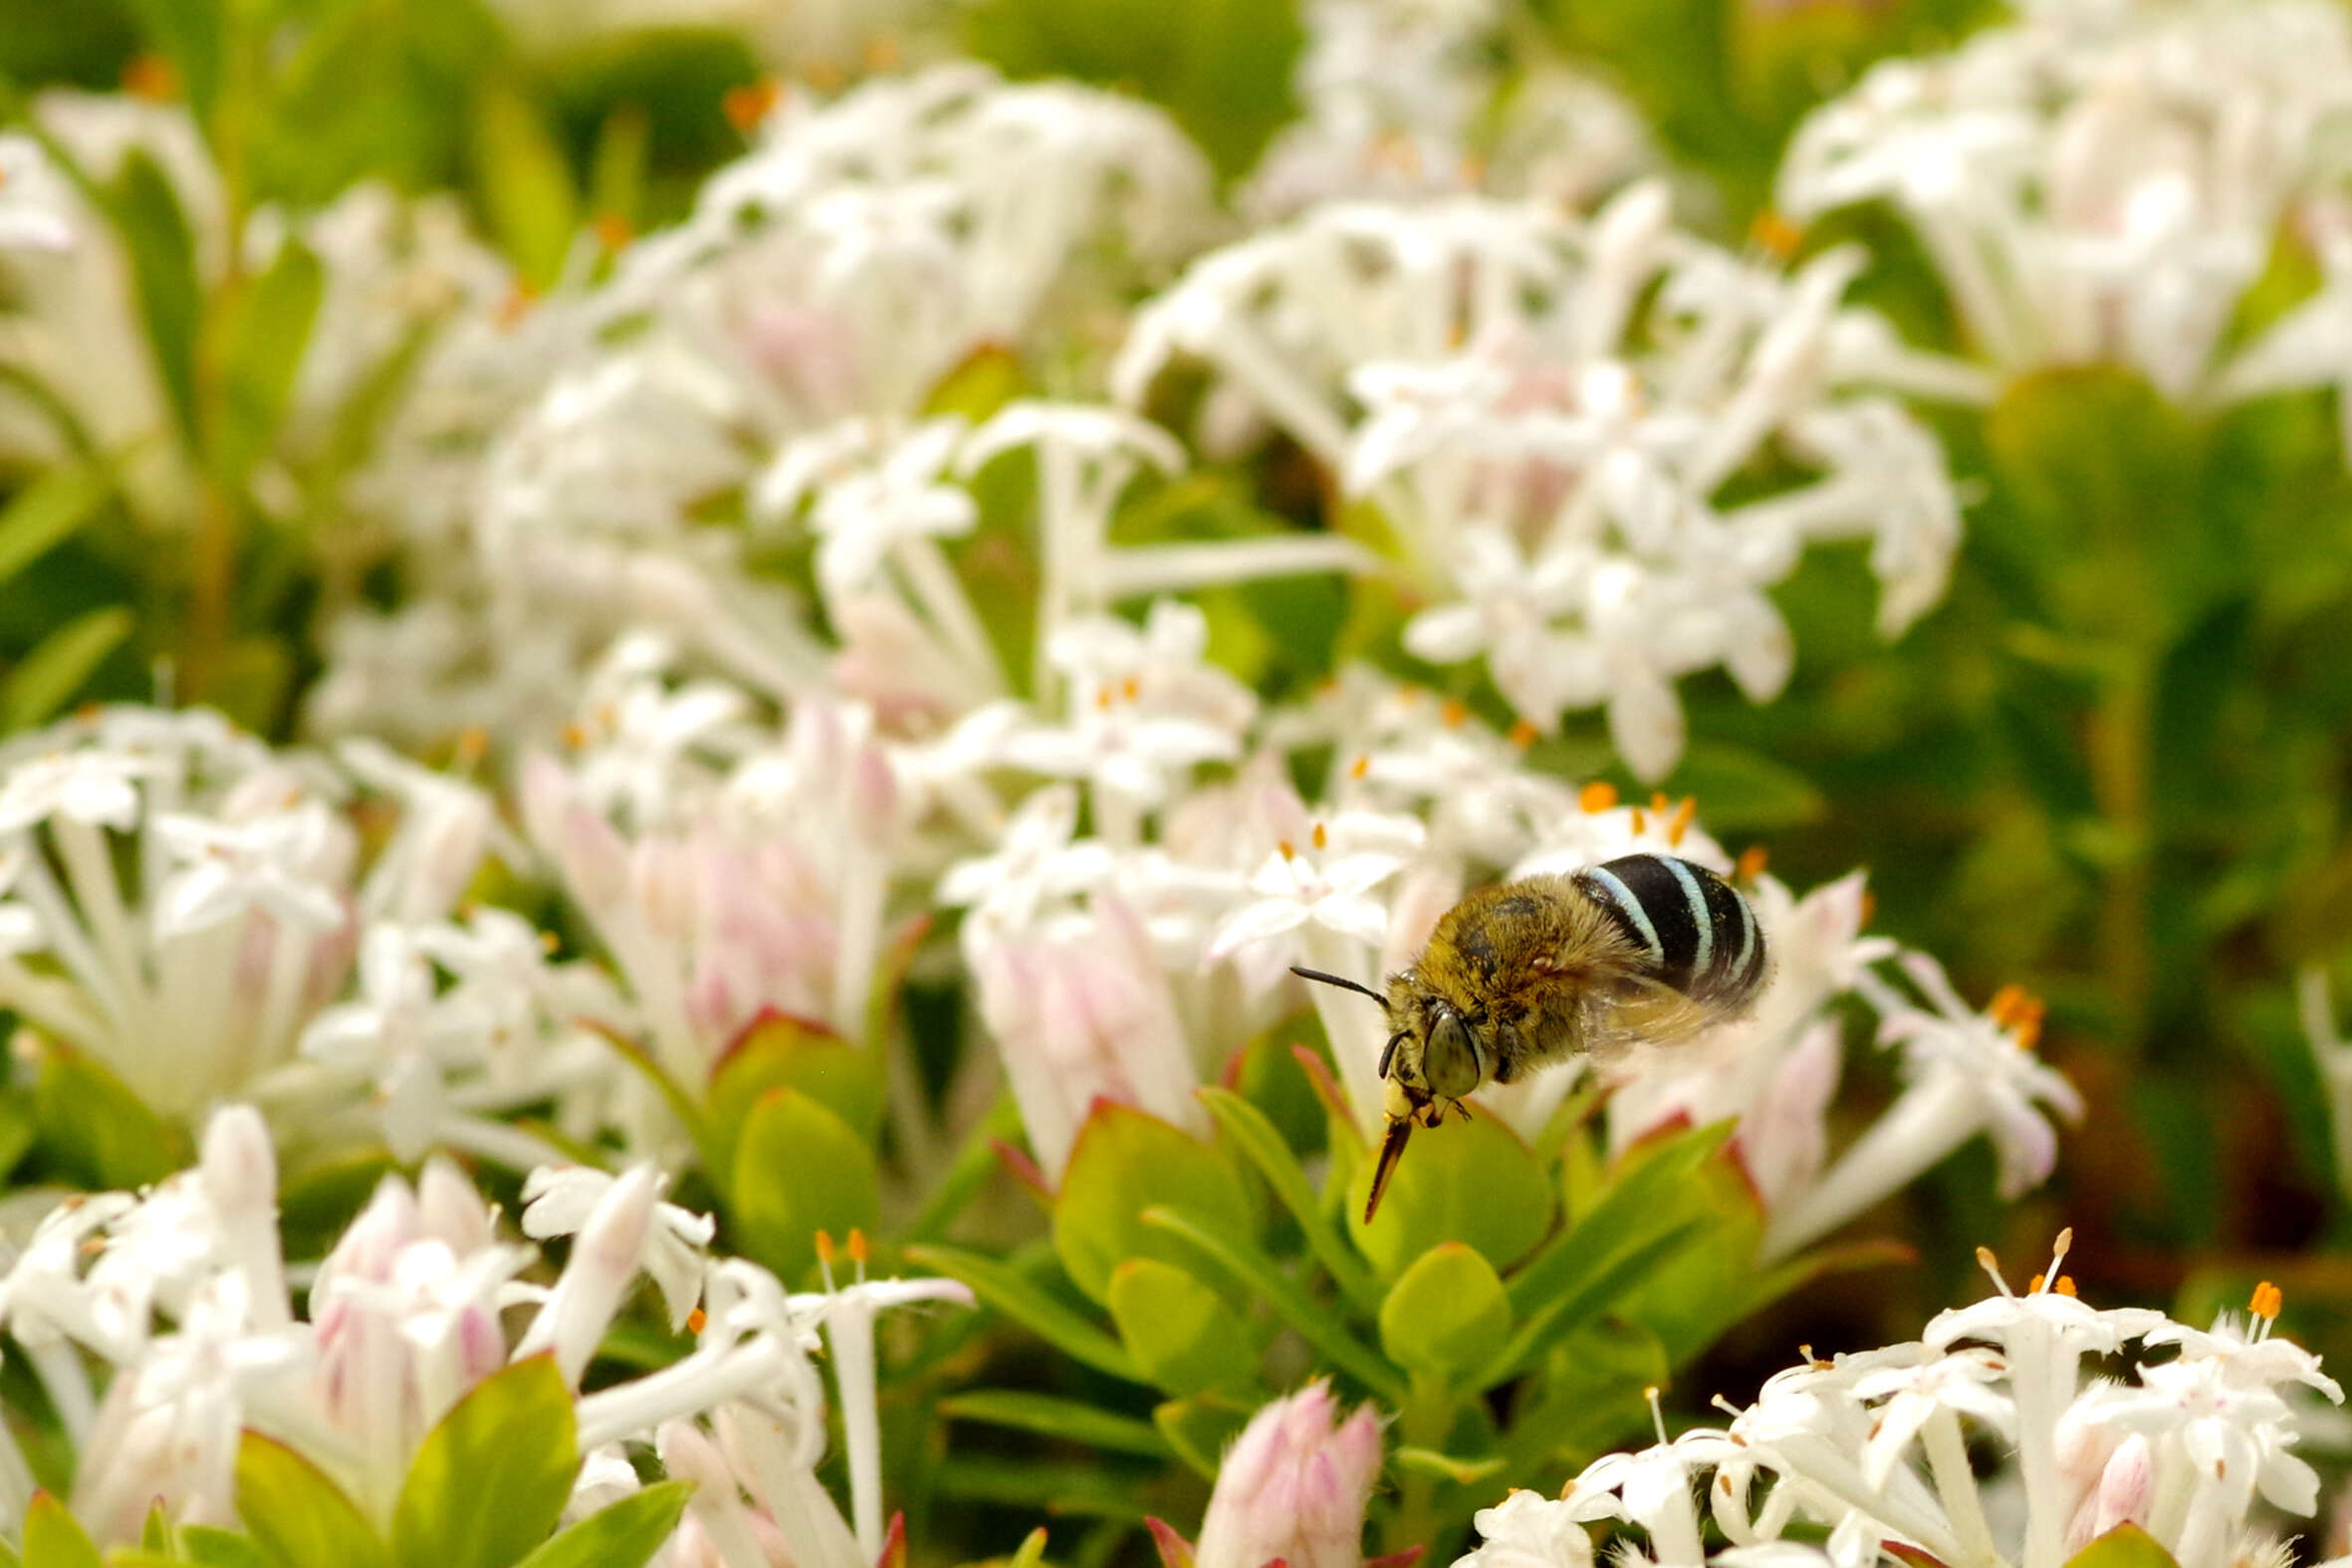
(1341, 980)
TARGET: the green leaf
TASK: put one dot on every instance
(622, 1534)
(1257, 1274)
(1253, 1133)
(1625, 1216)
(2125, 1546)
(1180, 1332)
(1595, 1294)
(262, 341)
(1745, 791)
(1428, 1461)
(1445, 1313)
(1032, 1553)
(1032, 1307)
(164, 273)
(778, 1050)
(1124, 1161)
(798, 1169)
(1068, 1420)
(54, 1538)
(46, 678)
(492, 1476)
(1473, 1182)
(41, 514)
(1199, 1430)
(191, 34)
(1593, 1394)
(524, 182)
(298, 1517)
(96, 1131)
(210, 1546)
(154, 1534)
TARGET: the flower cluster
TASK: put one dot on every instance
(1873, 1448)
(182, 1293)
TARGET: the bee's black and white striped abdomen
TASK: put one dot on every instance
(1700, 934)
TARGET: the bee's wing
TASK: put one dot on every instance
(1635, 1011)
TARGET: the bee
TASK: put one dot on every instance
(1517, 976)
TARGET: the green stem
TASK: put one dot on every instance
(1426, 1422)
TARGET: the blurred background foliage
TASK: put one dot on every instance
(2112, 765)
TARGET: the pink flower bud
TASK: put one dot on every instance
(1294, 1485)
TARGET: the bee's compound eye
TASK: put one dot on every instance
(1451, 1063)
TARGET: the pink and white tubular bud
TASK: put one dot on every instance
(1294, 1485)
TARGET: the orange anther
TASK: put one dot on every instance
(697, 1321)
(1775, 234)
(575, 737)
(1102, 697)
(1522, 735)
(1641, 824)
(472, 742)
(518, 304)
(824, 75)
(2065, 1285)
(2036, 1283)
(1130, 688)
(1869, 906)
(1322, 839)
(1360, 766)
(858, 1250)
(1289, 849)
(612, 230)
(1753, 862)
(825, 1248)
(1680, 824)
(1455, 714)
(2268, 1300)
(1598, 795)
(747, 105)
(882, 53)
(150, 77)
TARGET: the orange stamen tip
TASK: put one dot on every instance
(1289, 849)
(2019, 1011)
(1598, 795)
(746, 105)
(882, 53)
(518, 304)
(1641, 824)
(1130, 688)
(150, 77)
(549, 942)
(1658, 801)
(858, 1250)
(612, 230)
(1522, 735)
(1777, 233)
(1680, 822)
(575, 737)
(1986, 1259)
(824, 75)
(1102, 697)
(2065, 1285)
(2036, 1283)
(1869, 906)
(2268, 1300)
(825, 1248)
(1360, 766)
(1753, 862)
(472, 742)
(697, 1321)
(1455, 714)
(1322, 839)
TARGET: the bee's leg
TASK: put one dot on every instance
(1463, 1107)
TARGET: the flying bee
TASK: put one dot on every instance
(1518, 975)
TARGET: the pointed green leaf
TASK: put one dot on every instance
(1256, 1274)
(265, 335)
(1199, 1430)
(492, 1476)
(45, 511)
(1591, 1297)
(46, 678)
(622, 1534)
(191, 34)
(96, 1131)
(1180, 1332)
(1473, 1182)
(1445, 1313)
(210, 1546)
(1124, 1161)
(155, 1535)
(1264, 1146)
(298, 1517)
(2125, 1546)
(778, 1050)
(162, 255)
(1027, 1304)
(1624, 1216)
(1069, 1420)
(798, 1169)
(1032, 1553)
(525, 182)
(54, 1538)
(1462, 1472)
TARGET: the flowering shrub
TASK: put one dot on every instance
(672, 678)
